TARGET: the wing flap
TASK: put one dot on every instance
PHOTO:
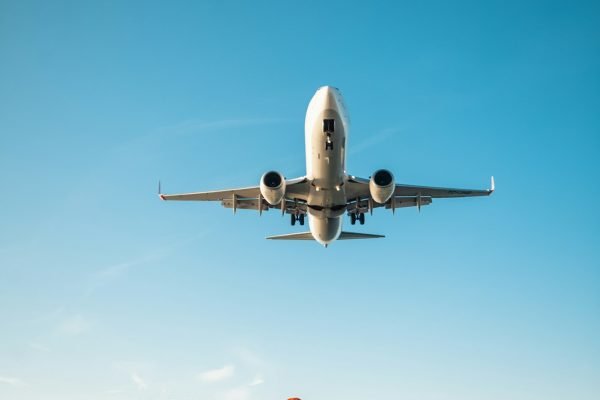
(400, 202)
(244, 204)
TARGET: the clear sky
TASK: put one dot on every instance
(108, 293)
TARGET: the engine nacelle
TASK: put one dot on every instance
(382, 186)
(272, 187)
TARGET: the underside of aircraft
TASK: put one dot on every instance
(326, 193)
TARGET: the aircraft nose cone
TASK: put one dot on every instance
(328, 96)
(329, 90)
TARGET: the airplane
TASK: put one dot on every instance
(327, 191)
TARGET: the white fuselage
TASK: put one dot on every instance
(326, 129)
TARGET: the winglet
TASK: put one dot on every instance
(493, 186)
(160, 193)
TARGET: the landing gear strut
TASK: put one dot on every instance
(299, 218)
(360, 217)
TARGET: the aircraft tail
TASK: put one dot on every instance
(309, 236)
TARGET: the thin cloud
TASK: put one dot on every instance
(249, 357)
(111, 392)
(49, 316)
(257, 381)
(195, 125)
(106, 275)
(242, 392)
(372, 141)
(38, 347)
(74, 326)
(111, 273)
(114, 271)
(11, 381)
(239, 393)
(218, 374)
(138, 381)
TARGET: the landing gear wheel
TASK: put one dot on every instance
(301, 219)
(293, 219)
(352, 218)
(361, 218)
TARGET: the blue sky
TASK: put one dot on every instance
(108, 293)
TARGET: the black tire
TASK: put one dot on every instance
(293, 220)
(353, 218)
(301, 219)
(361, 218)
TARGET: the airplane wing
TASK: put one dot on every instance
(437, 192)
(245, 198)
(215, 195)
(359, 188)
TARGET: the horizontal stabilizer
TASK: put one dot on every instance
(293, 236)
(309, 236)
(358, 235)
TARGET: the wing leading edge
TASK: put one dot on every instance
(438, 192)
(216, 195)
(359, 188)
(296, 189)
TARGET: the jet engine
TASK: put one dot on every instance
(382, 186)
(272, 187)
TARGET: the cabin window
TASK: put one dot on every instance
(328, 125)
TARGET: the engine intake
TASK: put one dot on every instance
(272, 187)
(382, 186)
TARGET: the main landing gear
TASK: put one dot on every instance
(298, 217)
(360, 217)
